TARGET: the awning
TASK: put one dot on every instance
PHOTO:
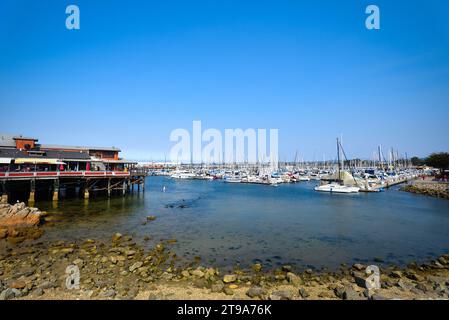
(37, 161)
(5, 160)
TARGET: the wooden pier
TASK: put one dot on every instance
(54, 184)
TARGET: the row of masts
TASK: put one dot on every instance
(392, 161)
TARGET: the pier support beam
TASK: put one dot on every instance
(32, 190)
(55, 190)
(124, 187)
(143, 185)
(86, 189)
(109, 187)
(4, 197)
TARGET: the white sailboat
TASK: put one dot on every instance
(338, 186)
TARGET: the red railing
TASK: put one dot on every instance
(55, 174)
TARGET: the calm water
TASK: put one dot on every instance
(228, 224)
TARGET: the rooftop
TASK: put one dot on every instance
(7, 140)
(50, 154)
(81, 148)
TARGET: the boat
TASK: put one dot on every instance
(337, 188)
(183, 175)
(232, 180)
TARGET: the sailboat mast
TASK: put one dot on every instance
(338, 158)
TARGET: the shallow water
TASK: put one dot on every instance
(229, 224)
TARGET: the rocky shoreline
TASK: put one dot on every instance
(122, 269)
(429, 188)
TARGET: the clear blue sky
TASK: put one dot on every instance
(138, 69)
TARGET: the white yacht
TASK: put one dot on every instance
(337, 188)
(182, 175)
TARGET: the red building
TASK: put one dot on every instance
(23, 158)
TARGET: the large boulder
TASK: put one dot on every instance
(19, 215)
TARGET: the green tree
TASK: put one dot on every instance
(438, 160)
(417, 161)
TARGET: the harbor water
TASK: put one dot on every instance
(229, 224)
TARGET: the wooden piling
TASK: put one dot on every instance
(32, 190)
(55, 190)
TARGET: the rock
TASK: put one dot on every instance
(339, 292)
(197, 273)
(257, 267)
(281, 295)
(78, 262)
(229, 278)
(67, 250)
(110, 293)
(210, 273)
(293, 278)
(116, 237)
(368, 293)
(151, 218)
(414, 276)
(303, 293)
(200, 283)
(47, 285)
(421, 287)
(185, 273)
(326, 295)
(441, 281)
(37, 292)
(217, 287)
(350, 294)
(233, 286)
(3, 233)
(256, 292)
(228, 291)
(396, 274)
(17, 284)
(10, 293)
(130, 252)
(280, 277)
(287, 268)
(359, 267)
(18, 215)
(378, 297)
(360, 280)
(135, 266)
(402, 285)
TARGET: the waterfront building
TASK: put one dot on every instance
(24, 160)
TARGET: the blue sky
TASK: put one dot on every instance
(136, 70)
